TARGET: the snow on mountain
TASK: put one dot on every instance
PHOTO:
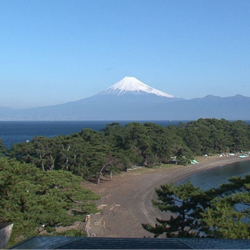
(130, 99)
(133, 85)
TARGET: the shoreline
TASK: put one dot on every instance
(126, 199)
(206, 164)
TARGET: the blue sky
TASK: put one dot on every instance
(56, 51)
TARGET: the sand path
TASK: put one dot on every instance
(126, 199)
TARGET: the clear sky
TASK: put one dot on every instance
(56, 51)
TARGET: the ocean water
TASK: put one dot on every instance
(214, 177)
(20, 131)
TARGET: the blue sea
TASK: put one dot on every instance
(216, 176)
(21, 131)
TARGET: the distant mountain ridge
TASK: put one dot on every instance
(130, 99)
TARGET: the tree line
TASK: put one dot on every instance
(116, 147)
(40, 181)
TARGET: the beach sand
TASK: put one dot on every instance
(126, 198)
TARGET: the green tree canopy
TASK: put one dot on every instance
(3, 149)
(222, 212)
(30, 198)
(228, 215)
(184, 203)
(117, 147)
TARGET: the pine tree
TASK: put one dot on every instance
(30, 198)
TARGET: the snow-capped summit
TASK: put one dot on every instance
(133, 85)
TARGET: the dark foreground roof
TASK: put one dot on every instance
(47, 242)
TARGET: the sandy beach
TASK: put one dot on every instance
(126, 198)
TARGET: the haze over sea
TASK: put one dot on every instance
(21, 131)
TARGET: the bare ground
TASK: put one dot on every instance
(126, 198)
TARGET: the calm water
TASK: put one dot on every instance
(16, 132)
(214, 177)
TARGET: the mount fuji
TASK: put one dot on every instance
(131, 85)
(131, 99)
